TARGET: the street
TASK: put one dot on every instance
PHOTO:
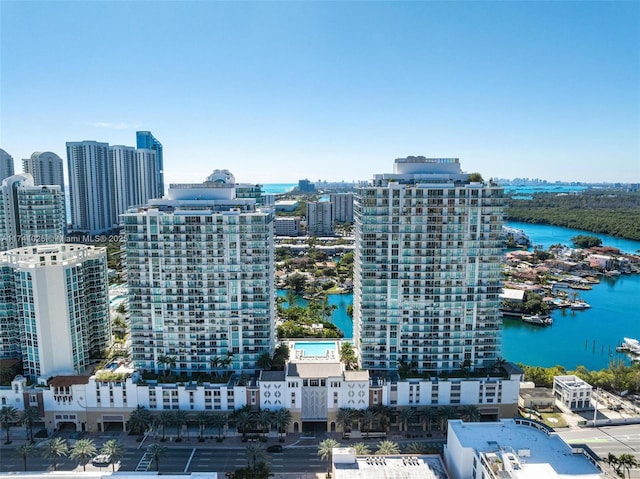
(181, 459)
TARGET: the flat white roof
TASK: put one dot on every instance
(549, 456)
(392, 467)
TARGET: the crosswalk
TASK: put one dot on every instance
(145, 462)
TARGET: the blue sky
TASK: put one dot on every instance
(278, 91)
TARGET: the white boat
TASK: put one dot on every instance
(632, 345)
(537, 319)
(579, 305)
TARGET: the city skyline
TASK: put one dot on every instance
(331, 90)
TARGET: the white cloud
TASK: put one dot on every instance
(116, 126)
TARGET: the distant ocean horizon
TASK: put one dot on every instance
(278, 188)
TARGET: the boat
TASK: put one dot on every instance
(581, 286)
(537, 319)
(632, 345)
(579, 305)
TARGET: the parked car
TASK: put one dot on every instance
(101, 460)
(275, 448)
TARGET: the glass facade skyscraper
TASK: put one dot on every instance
(200, 266)
(427, 271)
(145, 140)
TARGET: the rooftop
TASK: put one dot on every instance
(539, 453)
(349, 466)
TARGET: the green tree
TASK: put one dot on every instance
(264, 361)
(348, 356)
(627, 462)
(114, 450)
(280, 356)
(282, 419)
(82, 451)
(345, 418)
(8, 417)
(264, 420)
(219, 421)
(28, 418)
(387, 448)
(325, 451)
(584, 241)
(179, 420)
(168, 362)
(54, 449)
(361, 449)
(162, 420)
(24, 451)
(297, 282)
(469, 413)
(416, 448)
(157, 451)
(255, 455)
(139, 420)
(405, 416)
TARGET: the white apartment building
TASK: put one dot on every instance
(314, 387)
(30, 214)
(90, 187)
(45, 167)
(287, 226)
(427, 268)
(6, 165)
(514, 449)
(319, 218)
(200, 266)
(342, 207)
(55, 307)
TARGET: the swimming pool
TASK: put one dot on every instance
(314, 348)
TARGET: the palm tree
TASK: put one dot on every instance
(628, 461)
(367, 418)
(428, 414)
(82, 451)
(416, 448)
(203, 418)
(265, 418)
(280, 356)
(8, 417)
(243, 421)
(469, 413)
(53, 449)
(157, 451)
(219, 420)
(387, 448)
(264, 361)
(28, 417)
(168, 362)
(162, 420)
(139, 420)
(179, 418)
(325, 451)
(24, 451)
(115, 450)
(255, 455)
(444, 414)
(345, 418)
(361, 449)
(405, 416)
(282, 419)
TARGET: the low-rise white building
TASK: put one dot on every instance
(314, 387)
(347, 465)
(514, 449)
(573, 392)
